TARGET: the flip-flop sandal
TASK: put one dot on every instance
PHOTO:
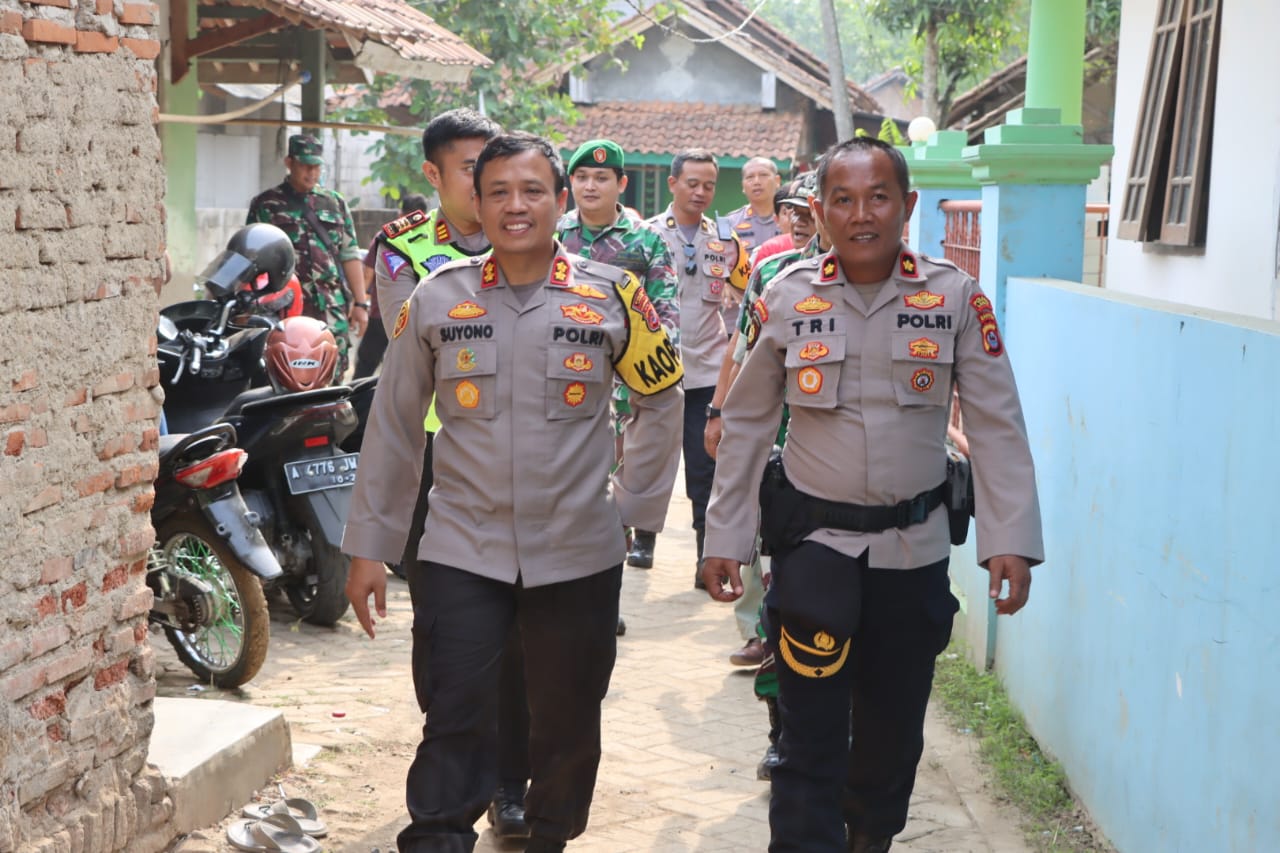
(302, 811)
(276, 833)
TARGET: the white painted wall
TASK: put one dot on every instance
(1237, 271)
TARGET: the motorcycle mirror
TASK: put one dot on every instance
(166, 329)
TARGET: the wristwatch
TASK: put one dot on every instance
(712, 412)
(366, 305)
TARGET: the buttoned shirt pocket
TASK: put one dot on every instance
(468, 386)
(922, 362)
(577, 381)
(715, 270)
(814, 364)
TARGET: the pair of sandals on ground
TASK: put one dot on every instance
(288, 825)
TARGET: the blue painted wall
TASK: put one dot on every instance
(1148, 659)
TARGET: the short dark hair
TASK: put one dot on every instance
(449, 127)
(413, 201)
(692, 155)
(510, 144)
(783, 192)
(865, 144)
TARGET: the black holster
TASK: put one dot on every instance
(783, 521)
(960, 501)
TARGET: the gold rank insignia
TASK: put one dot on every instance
(908, 266)
(489, 274)
(671, 222)
(810, 380)
(582, 313)
(402, 320)
(560, 271)
(467, 394)
(829, 267)
(579, 362)
(924, 300)
(813, 305)
(922, 380)
(575, 394)
(467, 310)
(814, 350)
(405, 223)
(466, 361)
(922, 348)
(822, 659)
(442, 232)
(587, 291)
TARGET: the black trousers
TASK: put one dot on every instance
(825, 785)
(372, 347)
(699, 467)
(461, 622)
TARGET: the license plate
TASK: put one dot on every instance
(313, 475)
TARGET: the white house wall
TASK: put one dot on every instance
(1237, 269)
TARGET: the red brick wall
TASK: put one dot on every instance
(81, 249)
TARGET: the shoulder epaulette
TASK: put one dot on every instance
(404, 224)
(608, 272)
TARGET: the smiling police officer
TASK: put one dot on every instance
(863, 344)
(524, 528)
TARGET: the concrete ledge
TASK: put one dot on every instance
(215, 755)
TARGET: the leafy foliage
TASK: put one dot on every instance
(869, 48)
(522, 37)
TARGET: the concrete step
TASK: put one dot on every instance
(215, 755)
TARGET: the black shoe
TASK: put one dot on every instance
(544, 845)
(641, 555)
(622, 627)
(860, 842)
(764, 770)
(506, 816)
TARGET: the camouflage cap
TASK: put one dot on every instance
(599, 153)
(800, 190)
(306, 149)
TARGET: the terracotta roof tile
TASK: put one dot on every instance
(662, 127)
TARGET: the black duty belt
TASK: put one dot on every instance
(872, 519)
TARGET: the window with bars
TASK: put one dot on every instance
(1166, 192)
(645, 185)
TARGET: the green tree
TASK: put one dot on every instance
(869, 49)
(954, 41)
(522, 37)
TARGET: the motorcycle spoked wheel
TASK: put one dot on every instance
(228, 652)
(323, 602)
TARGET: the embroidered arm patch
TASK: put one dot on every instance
(650, 362)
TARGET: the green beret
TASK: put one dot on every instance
(600, 153)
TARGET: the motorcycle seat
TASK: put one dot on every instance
(253, 395)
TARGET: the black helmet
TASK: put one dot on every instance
(253, 252)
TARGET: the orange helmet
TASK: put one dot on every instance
(301, 354)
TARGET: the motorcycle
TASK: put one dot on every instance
(270, 378)
(209, 561)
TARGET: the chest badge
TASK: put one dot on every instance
(582, 313)
(467, 394)
(715, 246)
(813, 305)
(574, 394)
(924, 300)
(467, 310)
(466, 361)
(579, 362)
(489, 274)
(810, 380)
(716, 270)
(922, 348)
(814, 350)
(587, 291)
(922, 380)
(743, 226)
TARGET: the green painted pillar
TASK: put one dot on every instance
(178, 148)
(1055, 57)
(939, 173)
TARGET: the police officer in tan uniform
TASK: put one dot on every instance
(520, 349)
(713, 267)
(864, 344)
(757, 221)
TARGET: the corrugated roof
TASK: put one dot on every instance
(388, 35)
(664, 127)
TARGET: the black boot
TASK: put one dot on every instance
(764, 770)
(697, 574)
(641, 556)
(860, 842)
(622, 627)
(506, 814)
(544, 845)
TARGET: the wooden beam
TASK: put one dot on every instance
(224, 11)
(179, 27)
(212, 40)
(267, 73)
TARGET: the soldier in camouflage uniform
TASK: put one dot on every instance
(601, 229)
(324, 237)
